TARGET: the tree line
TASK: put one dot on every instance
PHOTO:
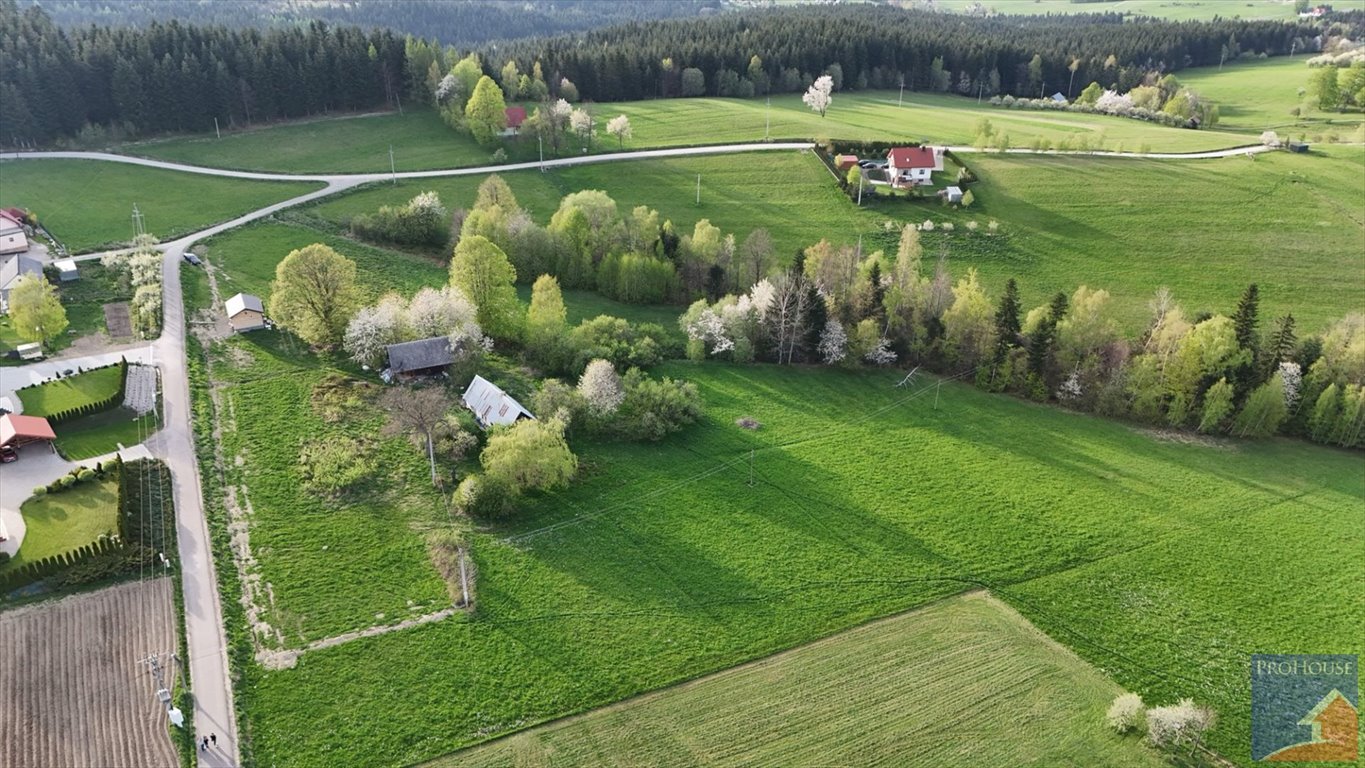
(868, 46)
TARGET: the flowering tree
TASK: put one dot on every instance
(581, 123)
(601, 387)
(619, 127)
(443, 312)
(818, 95)
(833, 342)
(1292, 375)
(709, 329)
(374, 328)
(1124, 713)
(1114, 103)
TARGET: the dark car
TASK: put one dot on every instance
(8, 454)
(193, 260)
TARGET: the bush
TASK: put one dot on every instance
(335, 464)
(67, 481)
(618, 342)
(1125, 713)
(423, 222)
(483, 497)
(40, 490)
(655, 409)
(85, 474)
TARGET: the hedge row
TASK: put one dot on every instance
(146, 513)
(29, 573)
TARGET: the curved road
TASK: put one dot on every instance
(209, 674)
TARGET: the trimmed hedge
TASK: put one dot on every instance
(100, 406)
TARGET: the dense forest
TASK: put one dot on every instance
(467, 22)
(102, 83)
(875, 46)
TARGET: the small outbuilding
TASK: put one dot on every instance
(844, 162)
(31, 351)
(245, 313)
(17, 430)
(415, 359)
(952, 194)
(491, 406)
(1058, 98)
(1298, 146)
(66, 270)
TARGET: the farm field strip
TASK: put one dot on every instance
(74, 690)
(887, 693)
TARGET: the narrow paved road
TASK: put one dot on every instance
(211, 684)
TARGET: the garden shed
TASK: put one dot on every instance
(17, 431)
(492, 406)
(245, 312)
(424, 357)
(66, 270)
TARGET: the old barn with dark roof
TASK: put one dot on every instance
(424, 357)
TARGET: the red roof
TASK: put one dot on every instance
(911, 157)
(515, 116)
(13, 214)
(14, 426)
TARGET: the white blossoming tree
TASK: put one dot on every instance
(601, 387)
(833, 345)
(709, 329)
(819, 95)
(619, 127)
(1125, 712)
(374, 328)
(580, 121)
(1292, 375)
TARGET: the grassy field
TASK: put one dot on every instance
(1175, 10)
(1205, 229)
(71, 392)
(889, 693)
(1258, 94)
(88, 204)
(1153, 558)
(84, 300)
(61, 522)
(421, 141)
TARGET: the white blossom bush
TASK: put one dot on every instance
(946, 226)
(972, 226)
(601, 387)
(710, 330)
(761, 296)
(1114, 103)
(927, 226)
(1270, 139)
(1292, 376)
(833, 345)
(819, 96)
(1186, 722)
(994, 226)
(881, 354)
(1070, 388)
(446, 88)
(1125, 713)
(580, 122)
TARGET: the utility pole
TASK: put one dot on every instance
(767, 117)
(751, 467)
(699, 189)
(393, 170)
(540, 143)
(138, 230)
(936, 391)
(901, 98)
(860, 194)
(163, 694)
(215, 128)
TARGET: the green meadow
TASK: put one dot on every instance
(421, 141)
(88, 204)
(1155, 559)
(1256, 95)
(888, 693)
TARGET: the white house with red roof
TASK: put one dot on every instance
(912, 166)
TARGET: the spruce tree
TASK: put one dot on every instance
(817, 315)
(1007, 321)
(1279, 347)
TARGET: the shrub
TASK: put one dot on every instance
(530, 455)
(85, 474)
(333, 465)
(424, 221)
(67, 481)
(654, 409)
(618, 342)
(483, 497)
(40, 490)
(1125, 713)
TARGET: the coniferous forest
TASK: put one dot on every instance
(60, 83)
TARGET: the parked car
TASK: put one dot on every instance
(6, 406)
(192, 259)
(8, 454)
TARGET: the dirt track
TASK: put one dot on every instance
(72, 691)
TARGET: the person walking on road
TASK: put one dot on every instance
(204, 744)
(213, 737)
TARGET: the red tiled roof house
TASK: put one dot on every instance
(911, 166)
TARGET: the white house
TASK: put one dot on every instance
(13, 237)
(491, 406)
(245, 312)
(911, 166)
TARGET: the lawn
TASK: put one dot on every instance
(1257, 95)
(71, 392)
(889, 693)
(421, 141)
(1163, 562)
(61, 522)
(102, 433)
(84, 300)
(88, 204)
(1291, 223)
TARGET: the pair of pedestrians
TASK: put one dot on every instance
(204, 743)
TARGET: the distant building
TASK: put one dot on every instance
(952, 194)
(66, 270)
(515, 117)
(16, 431)
(1059, 98)
(245, 313)
(911, 166)
(11, 269)
(844, 162)
(491, 406)
(1298, 146)
(424, 357)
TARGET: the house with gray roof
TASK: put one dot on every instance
(424, 357)
(13, 268)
